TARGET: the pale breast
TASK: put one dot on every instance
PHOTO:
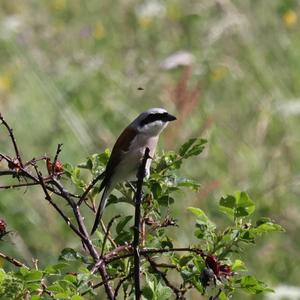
(131, 159)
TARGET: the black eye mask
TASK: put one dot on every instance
(165, 117)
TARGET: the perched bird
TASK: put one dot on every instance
(128, 152)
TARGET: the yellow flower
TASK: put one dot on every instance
(290, 18)
(59, 4)
(5, 83)
(145, 21)
(99, 31)
(218, 73)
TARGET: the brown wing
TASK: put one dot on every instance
(122, 145)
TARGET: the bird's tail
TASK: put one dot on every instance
(101, 207)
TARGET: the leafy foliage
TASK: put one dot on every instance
(213, 265)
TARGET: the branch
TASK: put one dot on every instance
(107, 233)
(178, 292)
(49, 199)
(10, 131)
(13, 261)
(116, 253)
(90, 186)
(137, 223)
(120, 284)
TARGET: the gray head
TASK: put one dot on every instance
(152, 121)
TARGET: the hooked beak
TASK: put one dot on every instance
(171, 118)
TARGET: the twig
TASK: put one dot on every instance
(120, 284)
(12, 186)
(107, 233)
(137, 222)
(90, 186)
(10, 131)
(13, 261)
(178, 292)
(216, 297)
(115, 254)
(49, 199)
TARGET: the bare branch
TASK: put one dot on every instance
(49, 199)
(13, 261)
(107, 233)
(10, 131)
(90, 186)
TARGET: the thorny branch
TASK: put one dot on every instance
(10, 131)
(51, 185)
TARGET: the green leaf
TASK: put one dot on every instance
(252, 286)
(192, 147)
(163, 292)
(238, 205)
(238, 265)
(148, 293)
(185, 182)
(69, 254)
(184, 260)
(227, 205)
(77, 297)
(62, 296)
(34, 275)
(55, 288)
(71, 278)
(264, 225)
(244, 205)
(186, 146)
(54, 269)
(199, 213)
(165, 200)
(24, 271)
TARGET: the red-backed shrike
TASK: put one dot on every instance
(129, 150)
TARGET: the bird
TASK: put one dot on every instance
(129, 150)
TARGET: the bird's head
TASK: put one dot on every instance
(152, 121)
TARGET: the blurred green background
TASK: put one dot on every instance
(77, 72)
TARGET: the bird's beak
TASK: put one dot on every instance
(171, 118)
